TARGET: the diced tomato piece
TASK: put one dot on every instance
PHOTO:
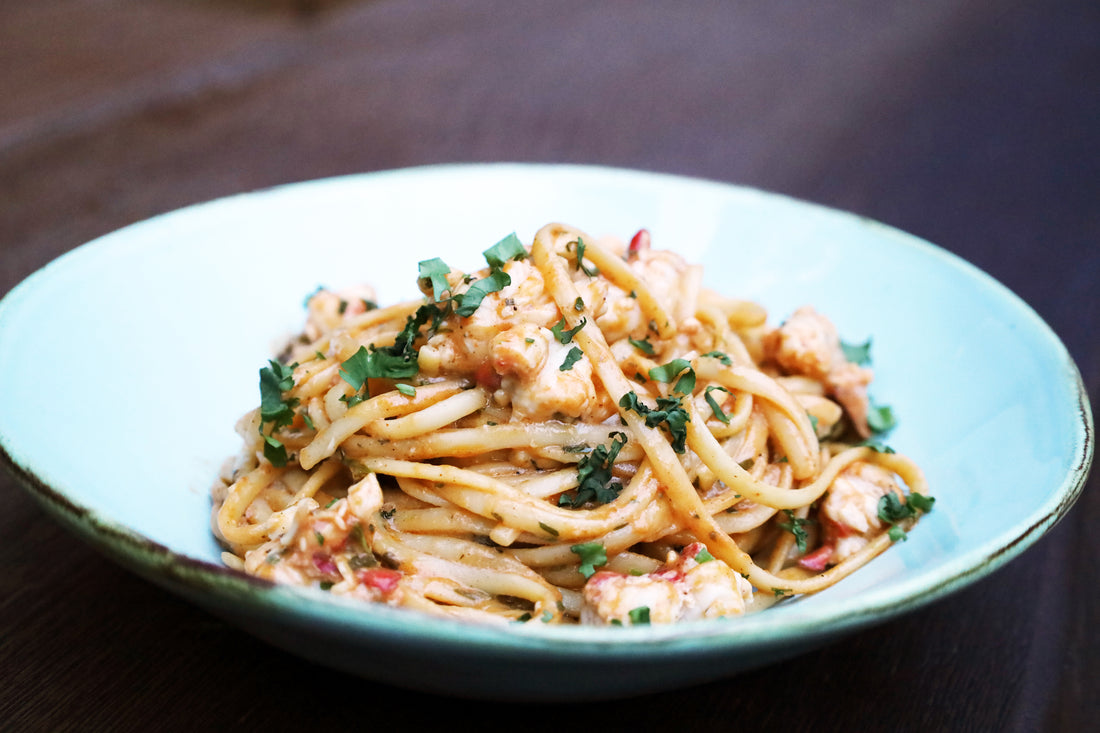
(638, 242)
(818, 559)
(381, 578)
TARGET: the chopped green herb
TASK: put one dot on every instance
(319, 355)
(703, 556)
(780, 592)
(509, 248)
(343, 306)
(468, 302)
(921, 502)
(876, 445)
(274, 451)
(523, 619)
(331, 502)
(407, 389)
(531, 340)
(319, 537)
(797, 527)
(548, 529)
(546, 617)
(857, 353)
(670, 413)
(813, 422)
(594, 480)
(719, 356)
(590, 271)
(643, 345)
(275, 380)
(880, 418)
(592, 555)
(667, 372)
(358, 562)
(714, 406)
(357, 535)
(639, 615)
(563, 336)
(326, 584)
(435, 271)
(891, 509)
(579, 448)
(897, 534)
(571, 358)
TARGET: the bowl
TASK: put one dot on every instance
(125, 364)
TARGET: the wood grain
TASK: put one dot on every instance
(974, 126)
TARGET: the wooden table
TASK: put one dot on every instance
(973, 125)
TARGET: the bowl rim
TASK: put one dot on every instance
(220, 586)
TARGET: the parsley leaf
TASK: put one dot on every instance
(643, 345)
(590, 271)
(435, 271)
(275, 379)
(406, 389)
(639, 615)
(714, 406)
(495, 281)
(880, 418)
(571, 358)
(724, 358)
(592, 555)
(563, 336)
(857, 353)
(509, 248)
(796, 526)
(667, 372)
(594, 481)
(891, 509)
(703, 556)
(670, 412)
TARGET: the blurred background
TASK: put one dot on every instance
(971, 124)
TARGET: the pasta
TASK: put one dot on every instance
(578, 433)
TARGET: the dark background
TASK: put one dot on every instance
(974, 125)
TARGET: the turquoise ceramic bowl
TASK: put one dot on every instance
(125, 364)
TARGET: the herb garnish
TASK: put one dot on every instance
(880, 418)
(563, 336)
(714, 406)
(643, 345)
(720, 357)
(594, 482)
(592, 555)
(590, 271)
(670, 412)
(892, 509)
(639, 615)
(703, 556)
(435, 271)
(276, 379)
(857, 353)
(796, 526)
(571, 358)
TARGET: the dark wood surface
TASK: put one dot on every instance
(974, 125)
